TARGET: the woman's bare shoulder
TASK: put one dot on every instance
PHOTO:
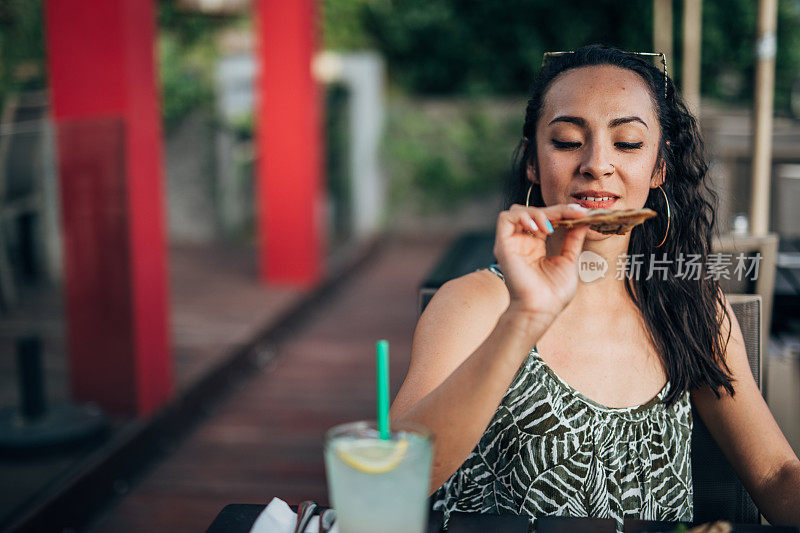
(459, 318)
(479, 293)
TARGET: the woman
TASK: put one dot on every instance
(551, 396)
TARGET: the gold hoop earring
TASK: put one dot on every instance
(668, 217)
(528, 198)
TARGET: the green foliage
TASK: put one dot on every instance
(495, 47)
(451, 150)
(189, 27)
(186, 78)
(787, 61)
(342, 25)
(727, 64)
(456, 47)
(21, 46)
(440, 154)
(187, 58)
(728, 50)
(186, 54)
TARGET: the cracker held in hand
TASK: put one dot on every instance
(608, 221)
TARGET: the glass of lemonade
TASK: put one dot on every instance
(379, 485)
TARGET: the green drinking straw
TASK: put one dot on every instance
(382, 357)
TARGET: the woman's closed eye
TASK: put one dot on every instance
(629, 146)
(571, 145)
(566, 145)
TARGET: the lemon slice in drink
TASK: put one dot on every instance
(372, 456)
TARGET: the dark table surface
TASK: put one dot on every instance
(240, 517)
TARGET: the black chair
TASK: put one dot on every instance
(718, 492)
(469, 252)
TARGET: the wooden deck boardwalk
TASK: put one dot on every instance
(216, 306)
(265, 440)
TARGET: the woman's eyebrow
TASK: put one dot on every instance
(578, 121)
(626, 120)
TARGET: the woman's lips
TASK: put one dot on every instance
(596, 202)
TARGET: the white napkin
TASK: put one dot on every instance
(278, 517)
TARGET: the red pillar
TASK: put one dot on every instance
(288, 143)
(100, 56)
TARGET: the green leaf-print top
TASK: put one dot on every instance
(550, 450)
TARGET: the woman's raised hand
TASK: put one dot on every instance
(539, 285)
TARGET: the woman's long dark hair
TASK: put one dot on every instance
(684, 317)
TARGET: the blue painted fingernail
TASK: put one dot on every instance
(549, 227)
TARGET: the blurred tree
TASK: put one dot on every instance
(441, 152)
(728, 63)
(189, 26)
(443, 46)
(457, 46)
(21, 47)
(342, 25)
(186, 53)
(187, 80)
(467, 47)
(471, 48)
(187, 57)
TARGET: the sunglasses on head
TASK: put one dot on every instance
(663, 57)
